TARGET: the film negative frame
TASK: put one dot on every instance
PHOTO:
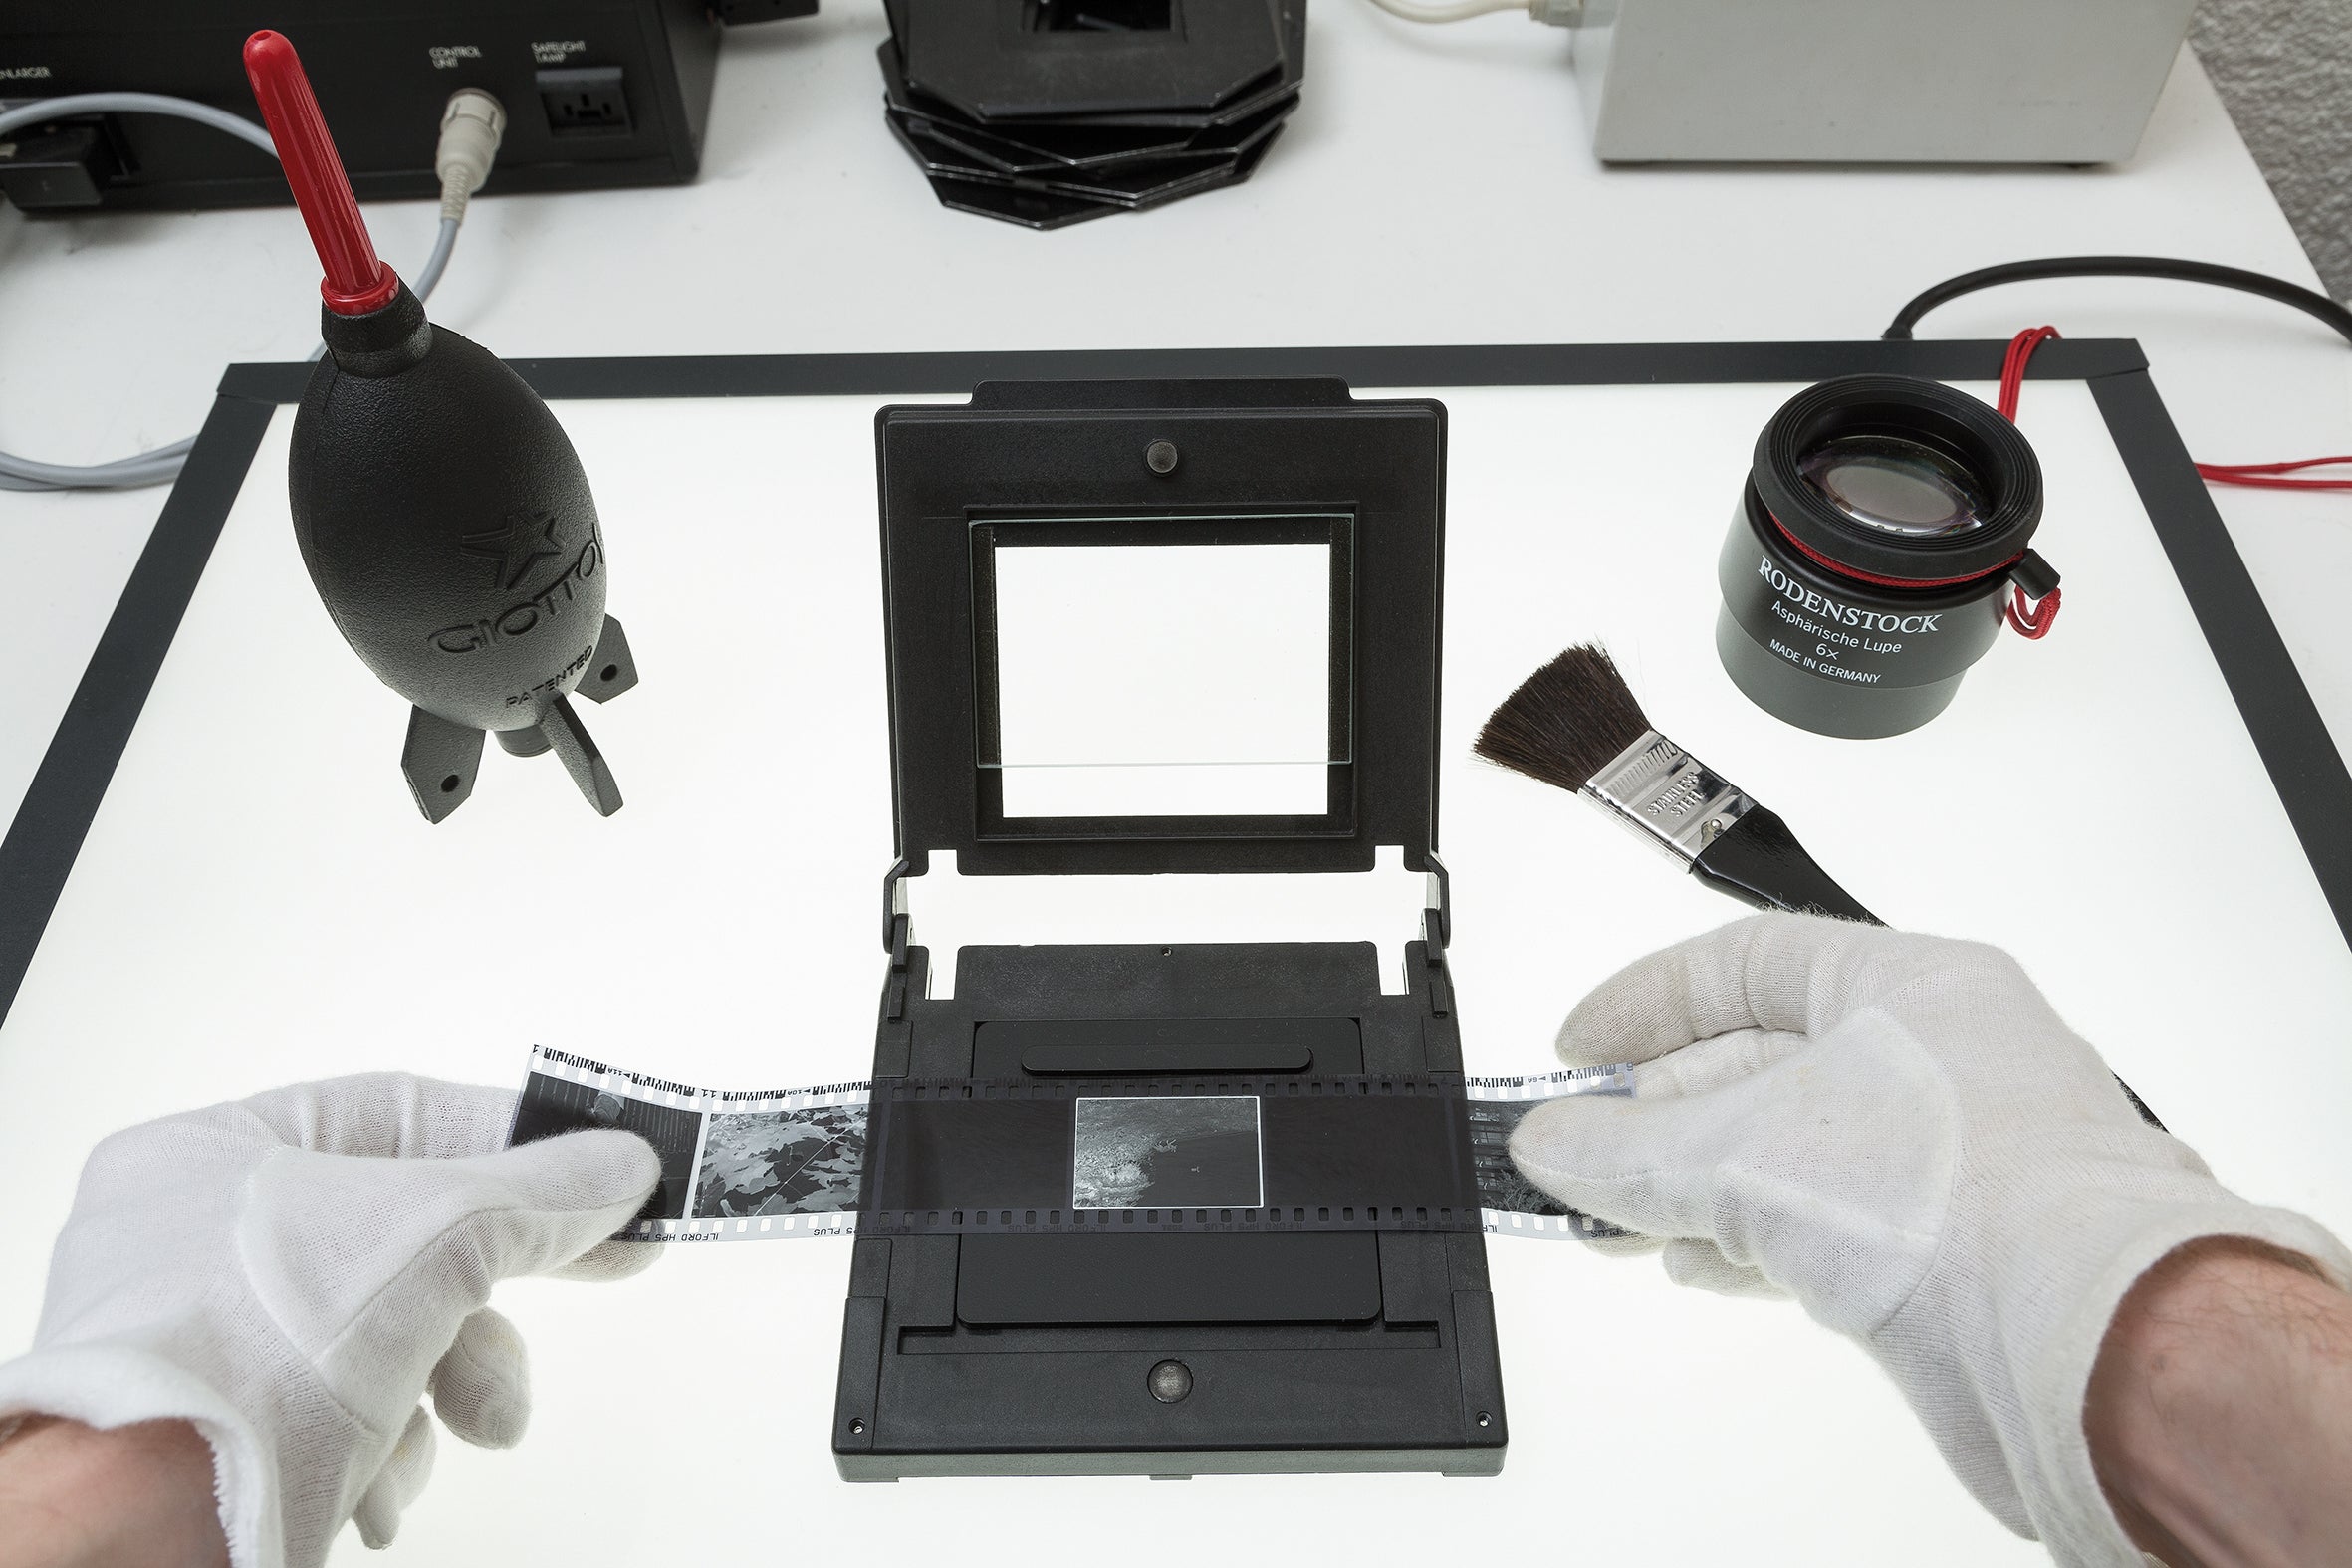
(694, 1110)
(1516, 1206)
(837, 1124)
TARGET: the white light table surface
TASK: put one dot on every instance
(258, 902)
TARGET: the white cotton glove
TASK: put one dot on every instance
(1899, 1132)
(291, 1273)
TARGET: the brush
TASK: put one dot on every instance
(1575, 724)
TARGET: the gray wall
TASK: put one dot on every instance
(2284, 69)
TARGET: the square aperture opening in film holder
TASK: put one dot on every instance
(1166, 1209)
(1212, 655)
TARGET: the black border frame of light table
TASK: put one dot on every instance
(63, 799)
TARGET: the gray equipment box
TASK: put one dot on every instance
(1873, 81)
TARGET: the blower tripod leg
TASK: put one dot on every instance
(569, 738)
(611, 668)
(442, 757)
(440, 760)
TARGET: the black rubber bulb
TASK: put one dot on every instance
(442, 512)
(448, 526)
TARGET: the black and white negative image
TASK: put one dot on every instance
(1169, 1151)
(550, 1106)
(804, 1162)
(1500, 1184)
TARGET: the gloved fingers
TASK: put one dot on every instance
(389, 1116)
(609, 1260)
(1647, 1165)
(1623, 1245)
(1702, 1265)
(541, 1206)
(330, 1244)
(481, 1386)
(404, 1472)
(1707, 1065)
(1782, 973)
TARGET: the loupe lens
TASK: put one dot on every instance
(1895, 486)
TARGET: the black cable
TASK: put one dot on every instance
(2302, 298)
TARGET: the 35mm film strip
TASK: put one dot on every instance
(1218, 1153)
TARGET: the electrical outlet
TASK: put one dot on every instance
(584, 100)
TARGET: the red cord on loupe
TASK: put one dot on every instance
(2013, 368)
(2029, 618)
(2273, 476)
(355, 282)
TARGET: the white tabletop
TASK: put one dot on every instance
(1433, 188)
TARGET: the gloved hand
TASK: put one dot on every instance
(291, 1273)
(1898, 1131)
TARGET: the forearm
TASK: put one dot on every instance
(2219, 1412)
(140, 1496)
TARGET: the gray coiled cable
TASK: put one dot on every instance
(161, 465)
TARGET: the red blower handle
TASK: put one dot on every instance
(357, 282)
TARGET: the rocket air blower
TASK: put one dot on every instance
(442, 512)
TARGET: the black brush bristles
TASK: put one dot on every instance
(1566, 721)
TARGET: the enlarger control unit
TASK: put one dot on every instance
(1176, 1208)
(598, 95)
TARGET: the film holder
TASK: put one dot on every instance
(1240, 584)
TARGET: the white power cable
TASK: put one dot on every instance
(1451, 11)
(470, 131)
(1557, 13)
(42, 111)
(471, 127)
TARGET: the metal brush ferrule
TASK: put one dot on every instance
(1667, 796)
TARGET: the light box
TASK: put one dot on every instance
(218, 884)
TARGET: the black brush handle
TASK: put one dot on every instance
(1759, 861)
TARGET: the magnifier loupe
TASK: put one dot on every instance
(1885, 522)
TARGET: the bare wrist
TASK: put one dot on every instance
(136, 1496)
(2219, 1410)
